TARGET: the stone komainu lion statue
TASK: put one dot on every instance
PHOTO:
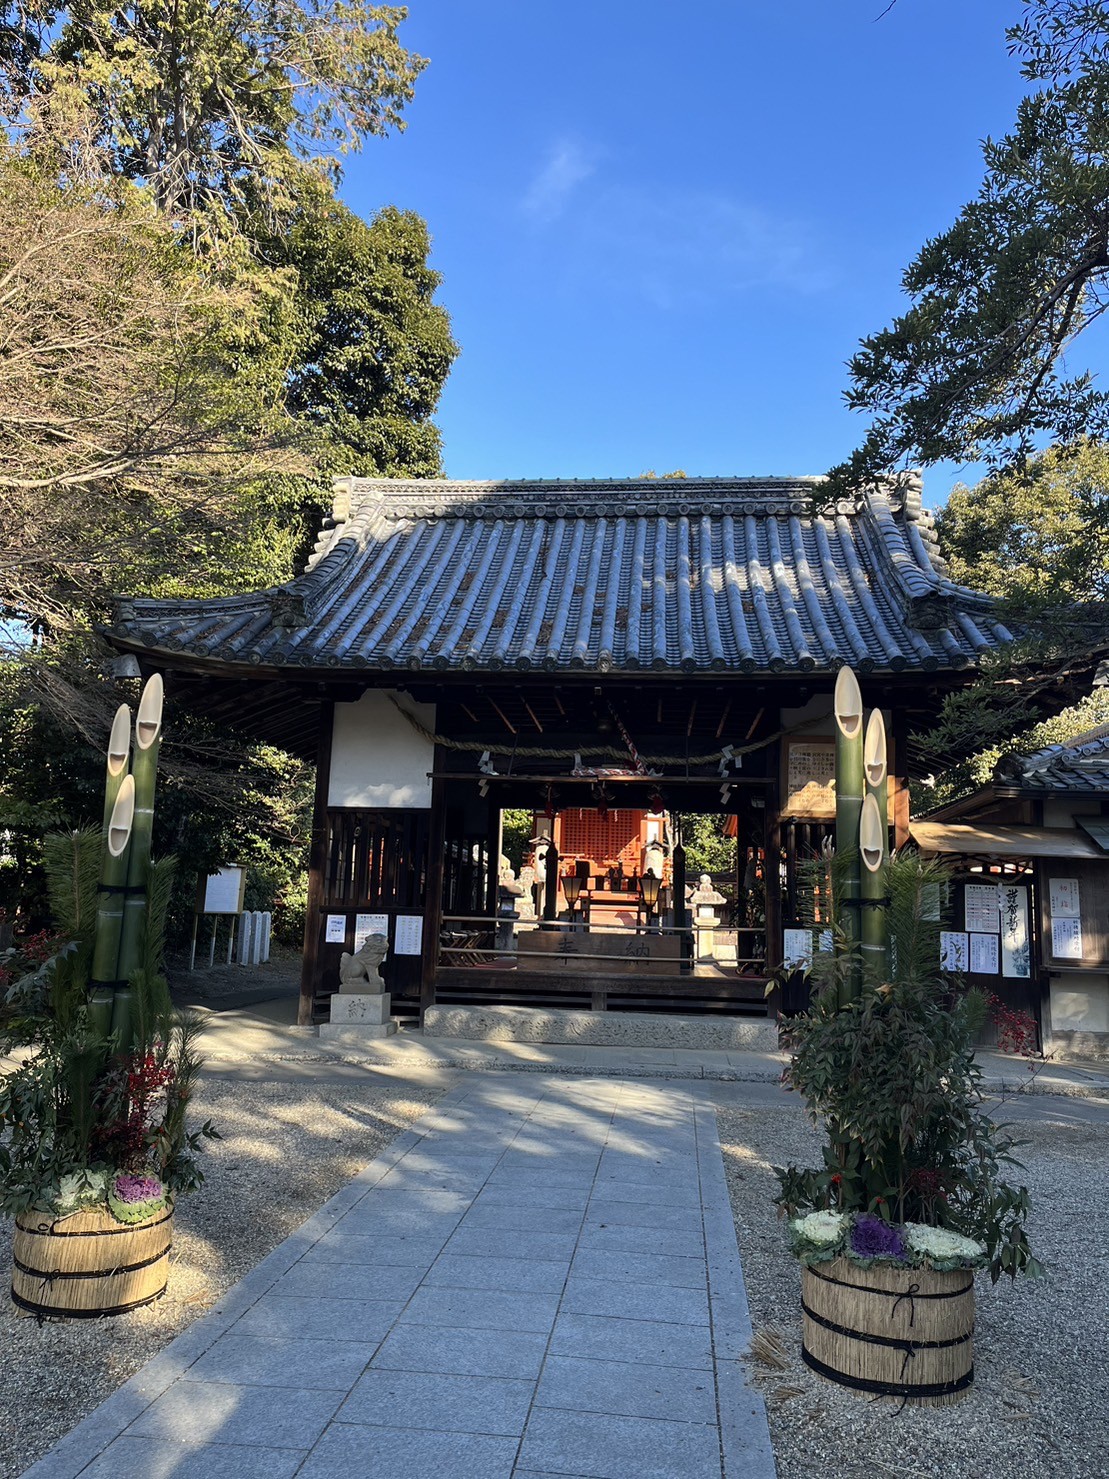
(362, 970)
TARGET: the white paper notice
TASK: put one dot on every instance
(980, 903)
(336, 933)
(983, 955)
(366, 925)
(954, 950)
(1016, 952)
(409, 938)
(1066, 939)
(1065, 901)
(797, 949)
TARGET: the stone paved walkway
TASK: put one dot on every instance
(541, 1279)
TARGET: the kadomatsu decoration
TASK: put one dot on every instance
(94, 1146)
(910, 1199)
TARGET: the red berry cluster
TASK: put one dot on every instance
(1016, 1030)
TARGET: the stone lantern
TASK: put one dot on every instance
(704, 901)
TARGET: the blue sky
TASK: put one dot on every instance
(662, 228)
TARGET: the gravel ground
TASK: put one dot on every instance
(1037, 1407)
(287, 1147)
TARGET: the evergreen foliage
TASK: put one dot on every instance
(980, 366)
(892, 1079)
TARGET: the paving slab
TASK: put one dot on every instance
(565, 1299)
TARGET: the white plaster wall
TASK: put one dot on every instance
(377, 758)
(1061, 813)
(1080, 1003)
(816, 715)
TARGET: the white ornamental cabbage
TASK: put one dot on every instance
(81, 1189)
(820, 1227)
(940, 1242)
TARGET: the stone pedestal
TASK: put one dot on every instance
(359, 1012)
(705, 926)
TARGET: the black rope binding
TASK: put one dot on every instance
(904, 1390)
(894, 1294)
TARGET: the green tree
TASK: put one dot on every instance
(214, 106)
(974, 370)
(139, 398)
(373, 347)
(1035, 536)
(707, 850)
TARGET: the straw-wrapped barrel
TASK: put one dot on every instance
(88, 1264)
(892, 1332)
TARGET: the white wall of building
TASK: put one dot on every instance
(377, 758)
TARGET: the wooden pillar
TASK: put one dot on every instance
(899, 780)
(433, 898)
(681, 914)
(317, 864)
(772, 885)
(550, 890)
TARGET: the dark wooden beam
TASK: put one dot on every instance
(501, 715)
(723, 719)
(317, 861)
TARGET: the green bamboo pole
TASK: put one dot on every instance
(100, 996)
(109, 915)
(875, 823)
(872, 889)
(848, 709)
(144, 769)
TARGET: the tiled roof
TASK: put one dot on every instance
(1082, 764)
(693, 575)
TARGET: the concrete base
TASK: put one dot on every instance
(350, 1008)
(600, 1029)
(1089, 1047)
(356, 1035)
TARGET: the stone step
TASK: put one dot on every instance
(599, 1029)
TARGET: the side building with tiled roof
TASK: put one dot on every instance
(651, 646)
(1040, 829)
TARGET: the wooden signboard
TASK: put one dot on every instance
(222, 892)
(1074, 913)
(570, 951)
(809, 778)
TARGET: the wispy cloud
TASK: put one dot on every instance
(668, 243)
(675, 245)
(567, 165)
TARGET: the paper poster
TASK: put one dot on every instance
(1065, 901)
(409, 939)
(930, 901)
(223, 891)
(1016, 951)
(336, 932)
(366, 925)
(797, 949)
(983, 955)
(1066, 939)
(954, 950)
(980, 903)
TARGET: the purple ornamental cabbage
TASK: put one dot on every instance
(873, 1238)
(139, 1188)
(135, 1198)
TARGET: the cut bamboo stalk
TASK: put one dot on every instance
(119, 751)
(848, 708)
(875, 825)
(874, 932)
(144, 768)
(113, 880)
